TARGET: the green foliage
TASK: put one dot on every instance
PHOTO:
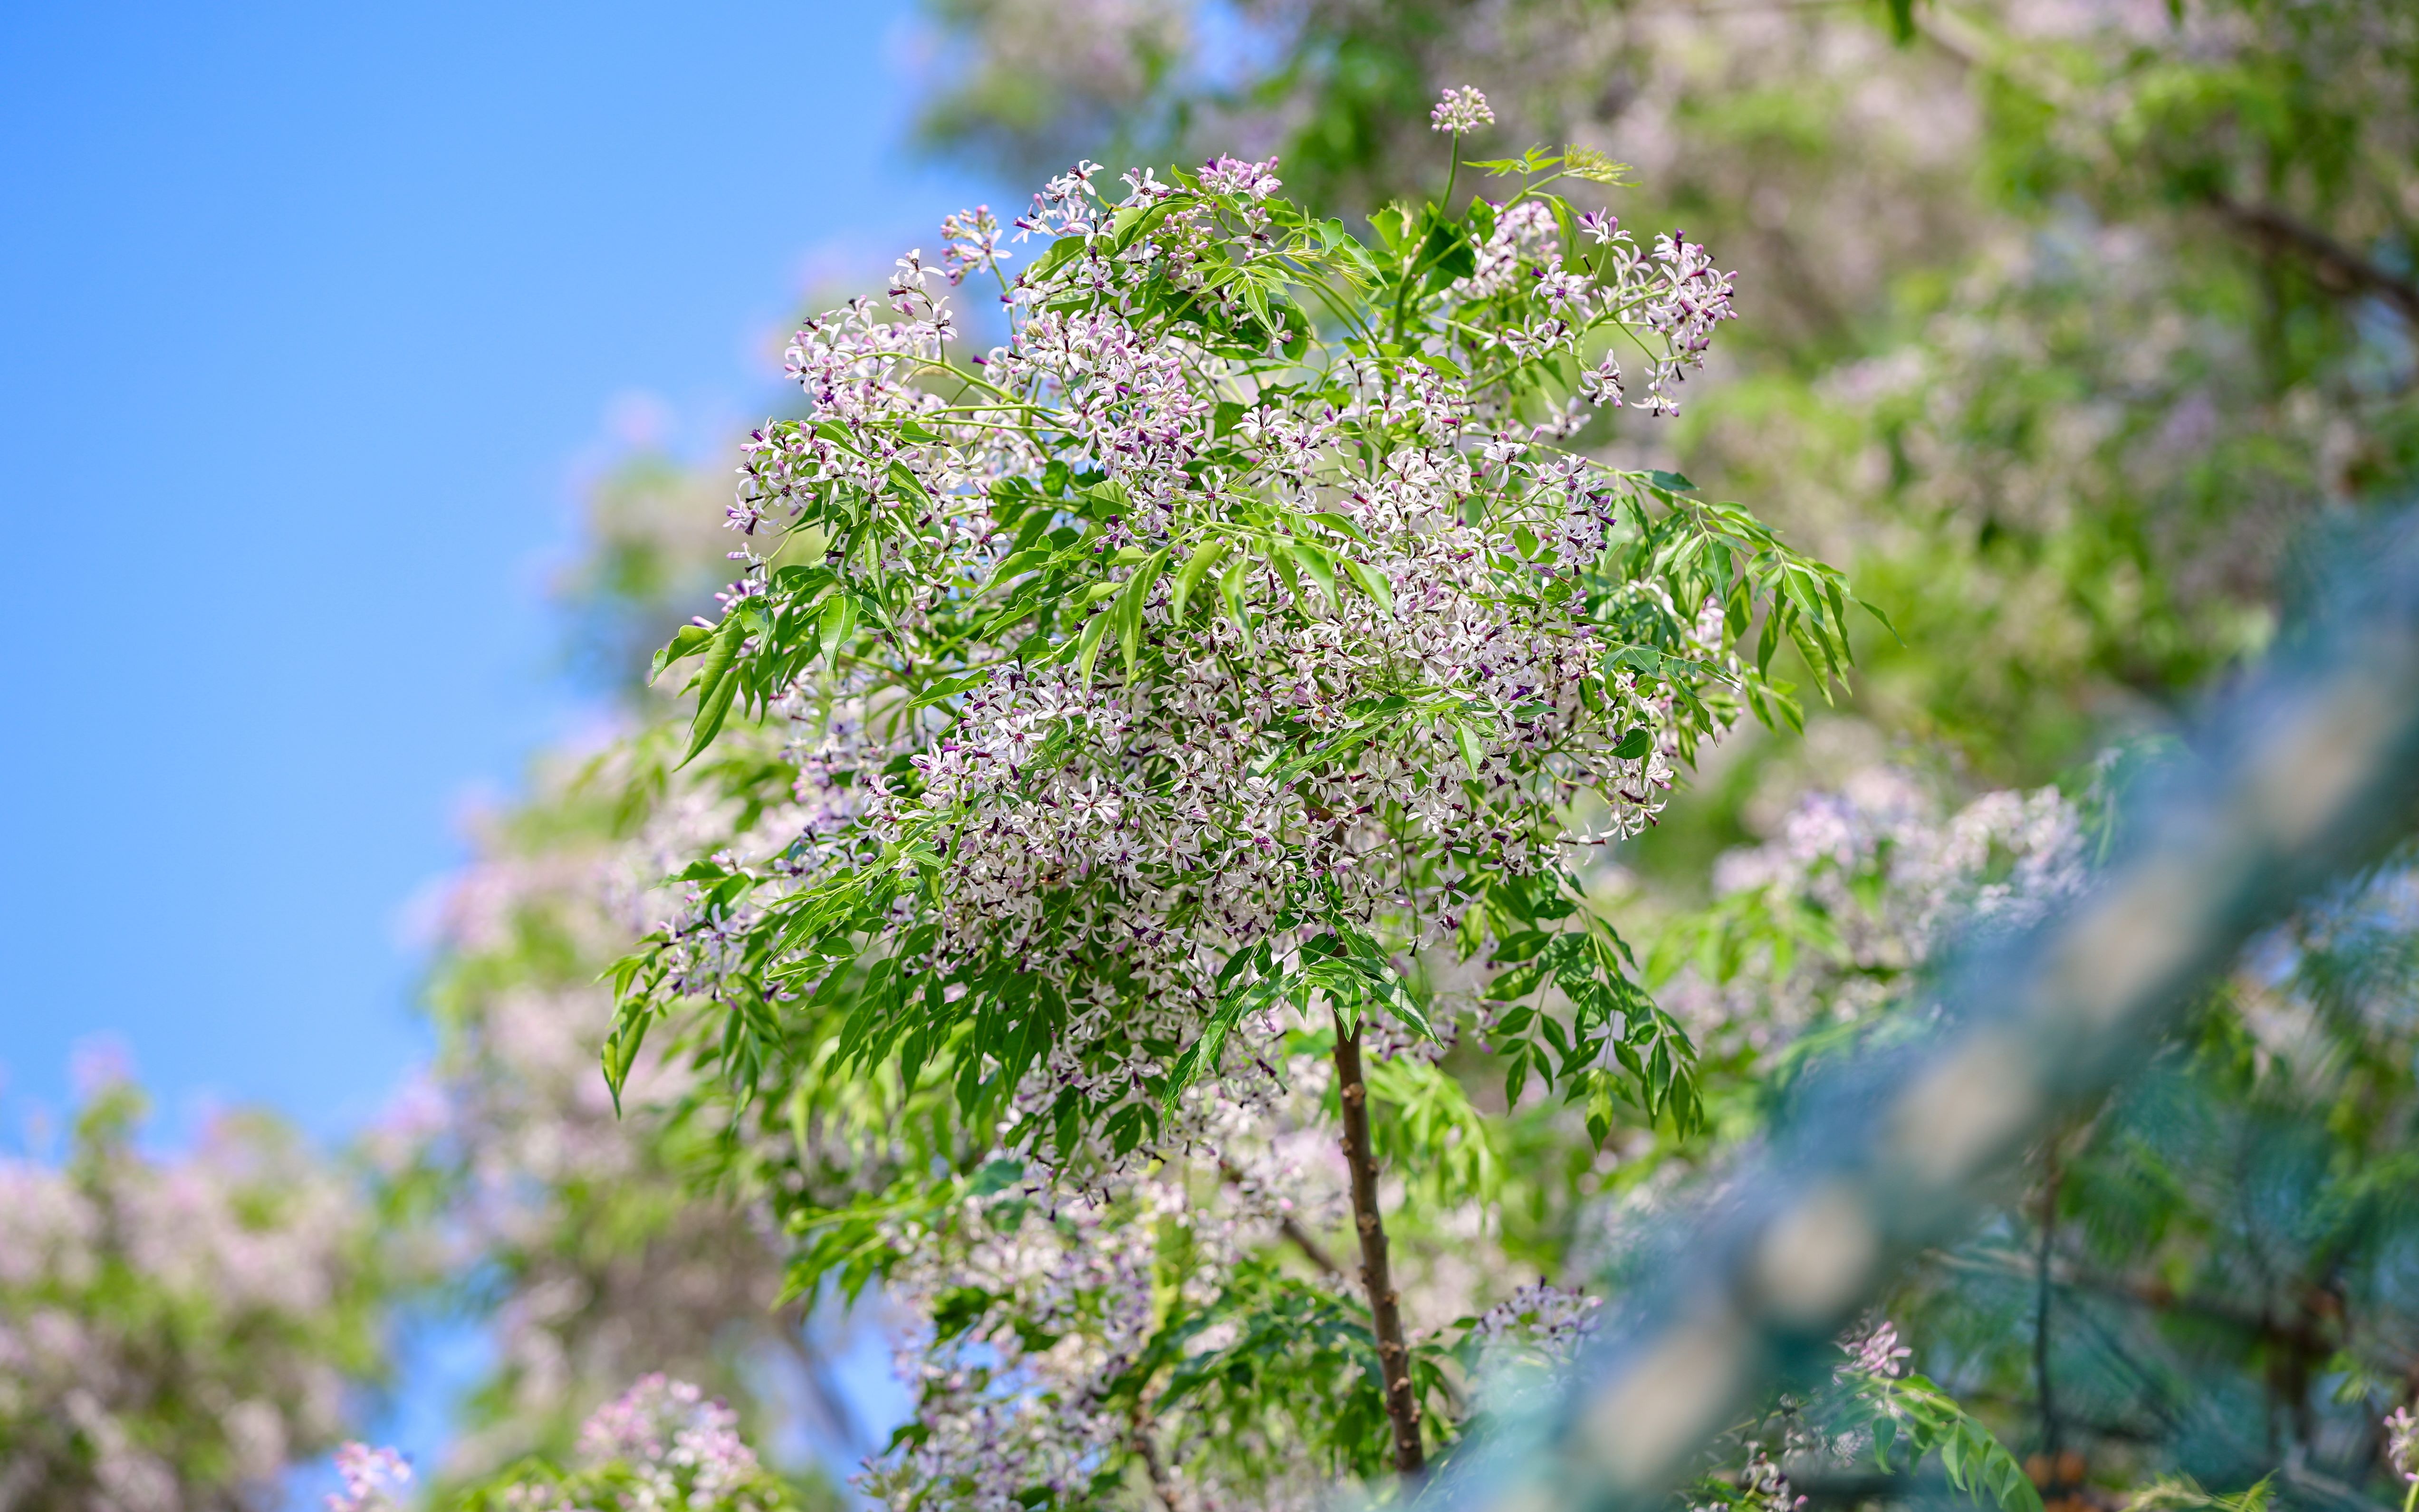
(1910, 1417)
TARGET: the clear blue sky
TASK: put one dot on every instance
(309, 317)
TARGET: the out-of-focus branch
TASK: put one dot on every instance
(2338, 269)
(1292, 1231)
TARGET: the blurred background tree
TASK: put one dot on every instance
(175, 1332)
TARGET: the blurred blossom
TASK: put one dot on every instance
(1857, 888)
(1876, 1351)
(99, 1063)
(374, 1479)
(605, 1262)
(172, 1332)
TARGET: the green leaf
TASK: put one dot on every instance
(1205, 557)
(1321, 568)
(717, 684)
(838, 622)
(1471, 750)
(1373, 583)
(1593, 166)
(686, 642)
(1087, 646)
(998, 1176)
(1129, 610)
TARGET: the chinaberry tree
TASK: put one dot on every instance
(1157, 740)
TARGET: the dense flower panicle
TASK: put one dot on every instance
(972, 238)
(1461, 111)
(2402, 1444)
(1025, 1392)
(686, 1443)
(1226, 176)
(1541, 1315)
(1939, 867)
(663, 1445)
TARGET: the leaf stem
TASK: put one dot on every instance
(1385, 1314)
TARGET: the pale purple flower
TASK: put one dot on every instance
(972, 239)
(2402, 1444)
(1461, 111)
(1874, 1353)
(1601, 384)
(1233, 175)
(673, 1425)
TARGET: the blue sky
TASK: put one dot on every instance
(310, 318)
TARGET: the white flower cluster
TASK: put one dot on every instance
(374, 1479)
(1875, 1351)
(2006, 856)
(1461, 111)
(1675, 291)
(1541, 1317)
(1013, 1401)
(685, 1448)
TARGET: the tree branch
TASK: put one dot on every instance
(1385, 1314)
(1291, 1231)
(1162, 1486)
(2338, 269)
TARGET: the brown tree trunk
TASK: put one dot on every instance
(1385, 1316)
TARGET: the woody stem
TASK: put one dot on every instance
(1385, 1314)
